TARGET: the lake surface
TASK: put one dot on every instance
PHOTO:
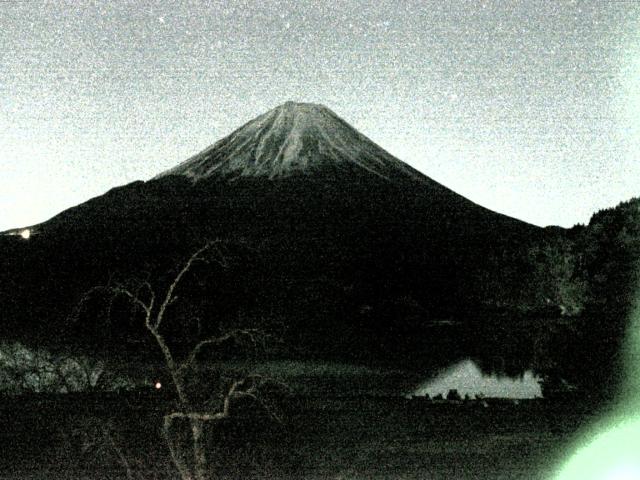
(466, 377)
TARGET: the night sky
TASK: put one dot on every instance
(530, 108)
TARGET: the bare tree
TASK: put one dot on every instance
(153, 305)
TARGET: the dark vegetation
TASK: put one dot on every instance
(600, 279)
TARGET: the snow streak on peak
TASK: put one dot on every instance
(292, 138)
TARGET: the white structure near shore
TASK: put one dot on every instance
(467, 378)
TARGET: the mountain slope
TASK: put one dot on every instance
(354, 251)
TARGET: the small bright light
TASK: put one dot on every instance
(26, 233)
(158, 385)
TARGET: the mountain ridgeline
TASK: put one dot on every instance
(351, 252)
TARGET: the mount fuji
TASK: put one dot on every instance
(354, 251)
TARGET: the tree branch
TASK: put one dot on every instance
(147, 308)
(252, 333)
(169, 297)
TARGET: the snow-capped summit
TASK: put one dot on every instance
(290, 139)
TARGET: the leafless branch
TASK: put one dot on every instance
(169, 296)
(237, 334)
(114, 290)
(135, 299)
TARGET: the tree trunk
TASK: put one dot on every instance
(174, 450)
(199, 449)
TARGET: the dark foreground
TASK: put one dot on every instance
(358, 438)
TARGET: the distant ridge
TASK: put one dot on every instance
(293, 138)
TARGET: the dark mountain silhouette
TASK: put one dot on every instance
(355, 252)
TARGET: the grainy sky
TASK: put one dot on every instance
(531, 108)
